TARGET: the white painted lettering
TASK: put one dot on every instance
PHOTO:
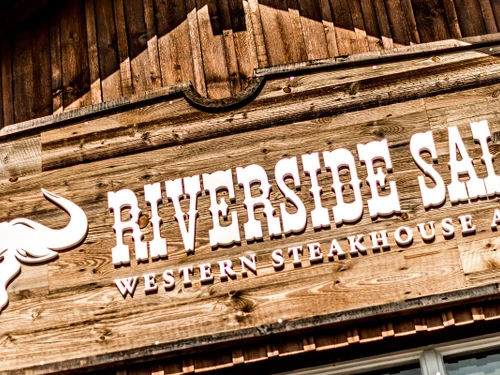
(295, 251)
(423, 231)
(379, 205)
(379, 240)
(127, 286)
(398, 236)
(278, 260)
(174, 192)
(335, 161)
(150, 284)
(458, 190)
(355, 244)
(319, 215)
(467, 226)
(335, 249)
(431, 196)
(315, 255)
(292, 223)
(158, 246)
(206, 274)
(248, 176)
(221, 235)
(251, 264)
(117, 202)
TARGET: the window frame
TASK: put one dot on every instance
(430, 358)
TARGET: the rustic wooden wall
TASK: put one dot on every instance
(81, 52)
(68, 313)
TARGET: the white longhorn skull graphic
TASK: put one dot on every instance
(23, 240)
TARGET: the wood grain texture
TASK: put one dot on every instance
(152, 40)
(94, 74)
(359, 26)
(112, 49)
(344, 28)
(7, 89)
(432, 19)
(42, 79)
(217, 62)
(56, 62)
(138, 45)
(123, 52)
(109, 63)
(75, 304)
(383, 24)
(199, 81)
(488, 16)
(253, 7)
(19, 158)
(22, 70)
(371, 25)
(400, 29)
(173, 36)
(451, 15)
(470, 17)
(244, 40)
(75, 63)
(146, 129)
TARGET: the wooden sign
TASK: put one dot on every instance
(207, 227)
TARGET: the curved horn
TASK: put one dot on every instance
(60, 239)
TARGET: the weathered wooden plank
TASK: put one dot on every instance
(244, 39)
(94, 74)
(174, 42)
(452, 18)
(341, 96)
(253, 7)
(359, 26)
(1, 91)
(383, 24)
(277, 28)
(470, 17)
(19, 158)
(56, 62)
(488, 16)
(400, 30)
(227, 29)
(123, 52)
(371, 24)
(152, 38)
(22, 69)
(430, 18)
(480, 257)
(74, 56)
(344, 28)
(138, 45)
(298, 43)
(7, 89)
(213, 49)
(199, 81)
(314, 33)
(109, 63)
(495, 5)
(42, 79)
(371, 57)
(327, 21)
(410, 20)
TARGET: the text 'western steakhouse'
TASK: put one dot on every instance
(341, 159)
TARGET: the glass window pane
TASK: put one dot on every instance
(475, 364)
(413, 369)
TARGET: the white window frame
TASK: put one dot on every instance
(430, 358)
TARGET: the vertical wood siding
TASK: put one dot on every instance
(83, 52)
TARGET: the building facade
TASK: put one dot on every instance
(250, 186)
